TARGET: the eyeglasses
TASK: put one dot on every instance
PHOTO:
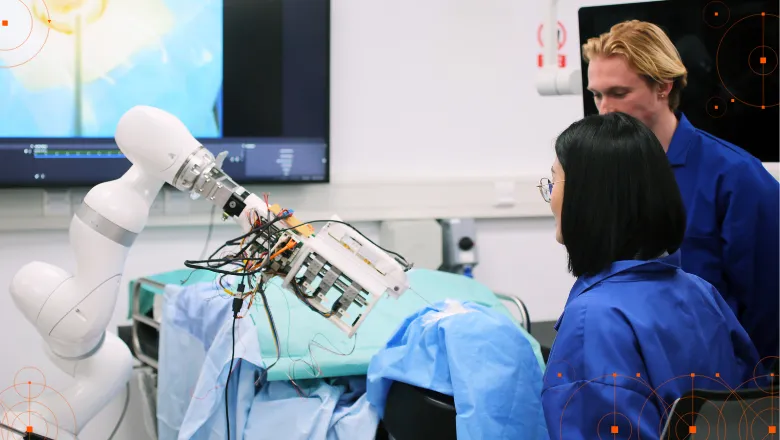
(545, 187)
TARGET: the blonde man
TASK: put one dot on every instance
(732, 202)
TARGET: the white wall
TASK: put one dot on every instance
(439, 88)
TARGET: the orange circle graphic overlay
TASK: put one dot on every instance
(689, 414)
(716, 107)
(24, 406)
(22, 34)
(733, 63)
(716, 14)
(15, 33)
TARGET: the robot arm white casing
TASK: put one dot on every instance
(72, 312)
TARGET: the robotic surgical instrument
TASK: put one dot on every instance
(338, 272)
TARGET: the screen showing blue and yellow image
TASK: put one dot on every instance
(102, 57)
(249, 78)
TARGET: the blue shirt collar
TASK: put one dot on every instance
(584, 283)
(681, 141)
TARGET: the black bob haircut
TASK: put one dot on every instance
(621, 200)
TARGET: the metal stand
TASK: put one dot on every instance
(140, 319)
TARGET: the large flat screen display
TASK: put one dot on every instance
(250, 77)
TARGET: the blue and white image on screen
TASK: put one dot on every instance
(103, 57)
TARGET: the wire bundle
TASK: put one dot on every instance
(252, 264)
(257, 248)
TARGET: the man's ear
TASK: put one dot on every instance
(665, 88)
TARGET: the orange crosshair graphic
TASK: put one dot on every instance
(28, 406)
(753, 422)
(762, 60)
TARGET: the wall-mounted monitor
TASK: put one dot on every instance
(251, 77)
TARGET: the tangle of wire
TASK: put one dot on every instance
(253, 270)
(247, 265)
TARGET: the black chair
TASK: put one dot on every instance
(413, 413)
(744, 414)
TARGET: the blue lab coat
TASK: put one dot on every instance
(733, 209)
(651, 325)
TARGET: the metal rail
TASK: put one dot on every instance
(524, 316)
(141, 319)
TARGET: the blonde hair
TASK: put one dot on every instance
(648, 50)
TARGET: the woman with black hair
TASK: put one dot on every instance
(636, 332)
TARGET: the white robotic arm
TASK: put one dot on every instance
(72, 311)
(338, 272)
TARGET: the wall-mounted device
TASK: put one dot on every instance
(459, 240)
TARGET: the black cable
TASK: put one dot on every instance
(405, 262)
(237, 240)
(214, 265)
(232, 357)
(237, 303)
(303, 298)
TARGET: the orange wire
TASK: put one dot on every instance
(290, 244)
